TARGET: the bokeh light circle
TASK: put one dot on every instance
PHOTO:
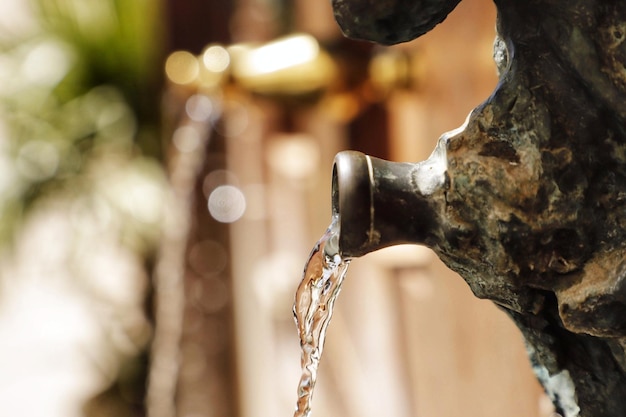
(227, 204)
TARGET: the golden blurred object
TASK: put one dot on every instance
(215, 65)
(182, 68)
(297, 67)
(394, 69)
(294, 65)
(216, 58)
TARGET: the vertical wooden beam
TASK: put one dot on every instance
(192, 24)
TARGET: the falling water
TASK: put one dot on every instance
(313, 308)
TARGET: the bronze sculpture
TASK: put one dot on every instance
(526, 201)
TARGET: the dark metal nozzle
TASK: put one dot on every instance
(352, 201)
(378, 204)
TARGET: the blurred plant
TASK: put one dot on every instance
(82, 191)
(77, 87)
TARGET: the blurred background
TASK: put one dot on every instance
(165, 171)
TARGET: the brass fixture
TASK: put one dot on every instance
(294, 66)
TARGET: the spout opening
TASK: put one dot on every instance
(378, 203)
(352, 202)
(335, 193)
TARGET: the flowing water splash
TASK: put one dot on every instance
(321, 282)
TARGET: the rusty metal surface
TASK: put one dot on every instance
(532, 215)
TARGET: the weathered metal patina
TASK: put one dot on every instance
(532, 210)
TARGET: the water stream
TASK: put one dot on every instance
(313, 308)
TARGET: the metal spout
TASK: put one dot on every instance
(380, 203)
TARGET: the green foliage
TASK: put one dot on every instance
(79, 86)
(117, 41)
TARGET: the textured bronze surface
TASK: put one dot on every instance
(533, 213)
(390, 21)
